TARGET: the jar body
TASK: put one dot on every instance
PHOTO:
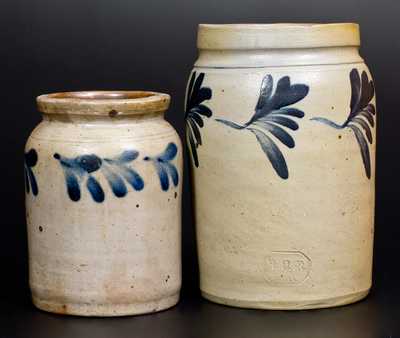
(103, 233)
(283, 222)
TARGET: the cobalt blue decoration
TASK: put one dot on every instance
(361, 114)
(115, 171)
(272, 112)
(31, 158)
(164, 168)
(195, 110)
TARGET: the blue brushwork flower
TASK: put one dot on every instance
(195, 111)
(31, 158)
(272, 112)
(115, 170)
(164, 168)
(361, 114)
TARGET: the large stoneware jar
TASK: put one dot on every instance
(103, 202)
(281, 127)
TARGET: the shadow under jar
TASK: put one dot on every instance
(103, 177)
(280, 123)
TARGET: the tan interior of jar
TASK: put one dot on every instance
(111, 103)
(102, 95)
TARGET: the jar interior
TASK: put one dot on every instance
(102, 95)
(108, 103)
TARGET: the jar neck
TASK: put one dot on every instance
(280, 57)
(112, 118)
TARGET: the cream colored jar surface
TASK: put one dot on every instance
(103, 204)
(281, 126)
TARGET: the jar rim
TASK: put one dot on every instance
(107, 102)
(277, 36)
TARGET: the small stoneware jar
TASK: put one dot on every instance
(281, 127)
(103, 177)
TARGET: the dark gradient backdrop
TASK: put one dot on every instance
(62, 45)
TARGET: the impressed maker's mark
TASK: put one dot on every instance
(287, 267)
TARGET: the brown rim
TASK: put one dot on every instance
(110, 103)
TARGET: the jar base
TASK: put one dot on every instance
(106, 310)
(288, 305)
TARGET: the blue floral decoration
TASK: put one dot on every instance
(195, 111)
(164, 168)
(31, 158)
(115, 170)
(271, 114)
(361, 116)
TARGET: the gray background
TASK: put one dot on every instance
(60, 45)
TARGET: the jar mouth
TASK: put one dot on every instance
(277, 36)
(111, 103)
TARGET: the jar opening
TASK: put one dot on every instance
(102, 95)
(111, 103)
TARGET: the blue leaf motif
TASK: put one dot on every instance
(116, 183)
(289, 111)
(363, 148)
(193, 144)
(164, 167)
(364, 125)
(95, 189)
(173, 173)
(231, 124)
(283, 121)
(195, 130)
(278, 132)
(115, 171)
(361, 115)
(132, 177)
(195, 110)
(271, 114)
(273, 153)
(74, 191)
(32, 181)
(169, 153)
(327, 122)
(30, 160)
(163, 175)
(27, 184)
(88, 163)
(128, 156)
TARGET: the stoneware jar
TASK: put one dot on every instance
(103, 177)
(281, 127)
